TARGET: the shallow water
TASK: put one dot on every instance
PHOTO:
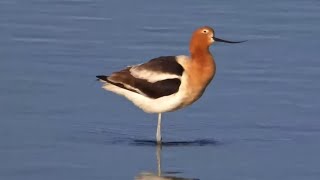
(259, 119)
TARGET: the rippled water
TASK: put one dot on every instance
(259, 119)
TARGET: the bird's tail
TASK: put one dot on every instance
(102, 78)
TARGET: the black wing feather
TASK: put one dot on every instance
(164, 64)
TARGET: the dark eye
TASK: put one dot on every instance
(205, 31)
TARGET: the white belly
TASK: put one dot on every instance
(150, 105)
(163, 104)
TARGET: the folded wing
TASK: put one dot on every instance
(157, 78)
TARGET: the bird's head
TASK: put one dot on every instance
(204, 36)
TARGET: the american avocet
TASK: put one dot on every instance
(168, 83)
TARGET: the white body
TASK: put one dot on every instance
(163, 104)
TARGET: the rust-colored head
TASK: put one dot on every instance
(203, 37)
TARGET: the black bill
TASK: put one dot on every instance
(225, 41)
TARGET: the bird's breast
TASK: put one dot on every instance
(198, 78)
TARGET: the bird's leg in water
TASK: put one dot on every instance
(159, 158)
(159, 138)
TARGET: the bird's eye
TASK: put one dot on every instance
(205, 31)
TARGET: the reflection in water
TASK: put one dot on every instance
(198, 142)
(159, 176)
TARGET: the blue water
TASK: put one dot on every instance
(261, 110)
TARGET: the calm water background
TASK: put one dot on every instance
(262, 107)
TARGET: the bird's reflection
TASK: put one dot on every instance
(159, 175)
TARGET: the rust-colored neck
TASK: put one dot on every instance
(198, 45)
(200, 54)
(202, 63)
(199, 49)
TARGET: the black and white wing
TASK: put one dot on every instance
(157, 78)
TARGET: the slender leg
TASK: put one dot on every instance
(159, 158)
(159, 129)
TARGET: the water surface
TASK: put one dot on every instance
(262, 108)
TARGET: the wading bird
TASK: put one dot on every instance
(168, 83)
